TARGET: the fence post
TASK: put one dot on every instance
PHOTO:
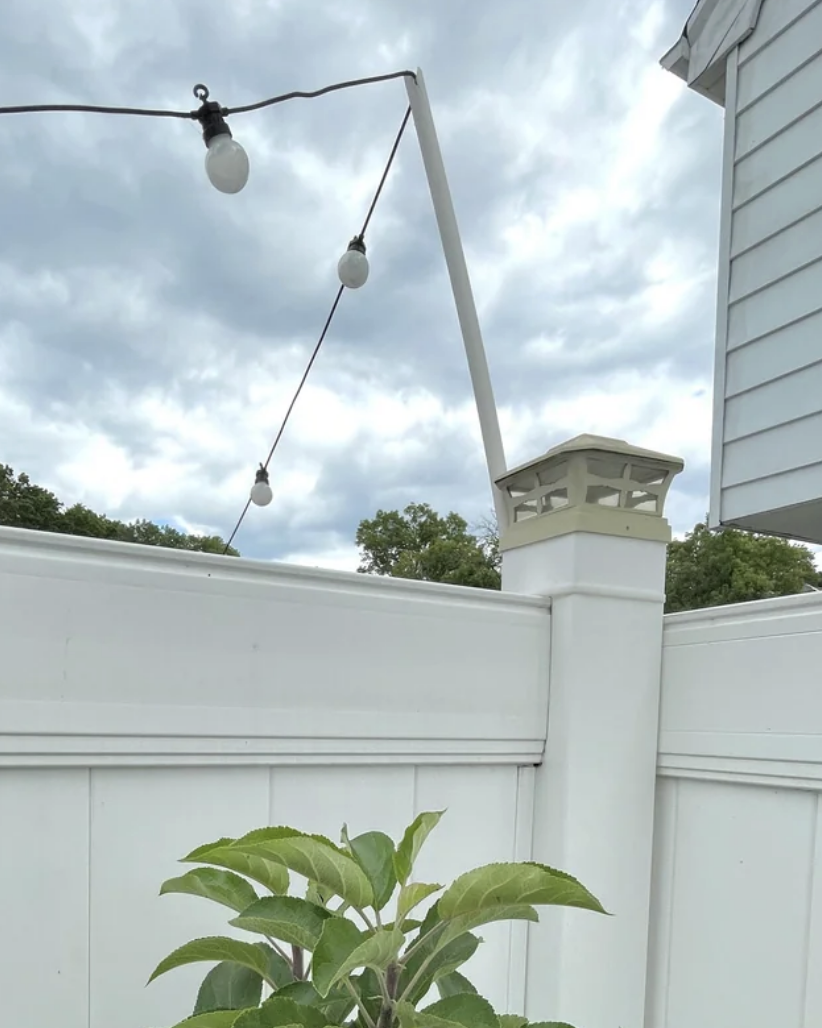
(586, 528)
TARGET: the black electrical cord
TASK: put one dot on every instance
(326, 326)
(194, 115)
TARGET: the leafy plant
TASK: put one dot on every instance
(314, 966)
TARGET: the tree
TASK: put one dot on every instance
(418, 543)
(26, 505)
(710, 569)
(705, 569)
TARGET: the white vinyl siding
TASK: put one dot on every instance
(769, 372)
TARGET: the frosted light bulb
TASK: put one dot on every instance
(226, 164)
(261, 493)
(353, 265)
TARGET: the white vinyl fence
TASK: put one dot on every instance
(737, 901)
(151, 701)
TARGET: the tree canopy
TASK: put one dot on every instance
(704, 569)
(418, 543)
(26, 505)
(710, 569)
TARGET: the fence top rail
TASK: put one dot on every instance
(777, 606)
(19, 543)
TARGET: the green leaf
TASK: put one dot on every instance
(512, 1021)
(229, 986)
(336, 1006)
(280, 971)
(440, 960)
(466, 922)
(415, 835)
(466, 1009)
(412, 895)
(288, 918)
(374, 852)
(272, 875)
(220, 886)
(338, 941)
(548, 1024)
(314, 857)
(217, 948)
(279, 1013)
(497, 885)
(212, 1019)
(454, 984)
(343, 948)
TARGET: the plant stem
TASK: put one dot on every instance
(420, 972)
(278, 949)
(366, 918)
(425, 938)
(392, 980)
(367, 1018)
(297, 963)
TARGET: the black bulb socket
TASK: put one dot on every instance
(212, 121)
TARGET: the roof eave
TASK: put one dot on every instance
(711, 83)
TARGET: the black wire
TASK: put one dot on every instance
(93, 109)
(388, 164)
(298, 95)
(193, 115)
(326, 326)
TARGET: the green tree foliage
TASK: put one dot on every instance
(333, 956)
(710, 569)
(706, 569)
(418, 543)
(26, 505)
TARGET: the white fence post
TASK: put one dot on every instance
(586, 528)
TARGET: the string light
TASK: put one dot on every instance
(353, 265)
(359, 238)
(227, 164)
(227, 167)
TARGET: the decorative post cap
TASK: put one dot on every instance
(589, 484)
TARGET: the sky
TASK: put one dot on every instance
(153, 330)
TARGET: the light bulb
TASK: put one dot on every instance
(353, 265)
(261, 493)
(226, 164)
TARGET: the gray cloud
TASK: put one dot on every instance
(125, 278)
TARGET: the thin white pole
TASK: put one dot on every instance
(461, 288)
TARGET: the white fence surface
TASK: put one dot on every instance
(151, 701)
(154, 700)
(737, 893)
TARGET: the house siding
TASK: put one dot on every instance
(769, 338)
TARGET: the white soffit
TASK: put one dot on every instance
(714, 28)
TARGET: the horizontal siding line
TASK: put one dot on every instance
(775, 378)
(784, 128)
(777, 35)
(779, 82)
(779, 181)
(778, 232)
(774, 281)
(770, 428)
(771, 474)
(773, 331)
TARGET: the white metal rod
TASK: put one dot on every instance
(461, 288)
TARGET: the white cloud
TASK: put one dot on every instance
(152, 337)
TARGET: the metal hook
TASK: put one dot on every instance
(201, 92)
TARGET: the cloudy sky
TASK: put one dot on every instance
(152, 330)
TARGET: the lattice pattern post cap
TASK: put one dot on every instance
(589, 484)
